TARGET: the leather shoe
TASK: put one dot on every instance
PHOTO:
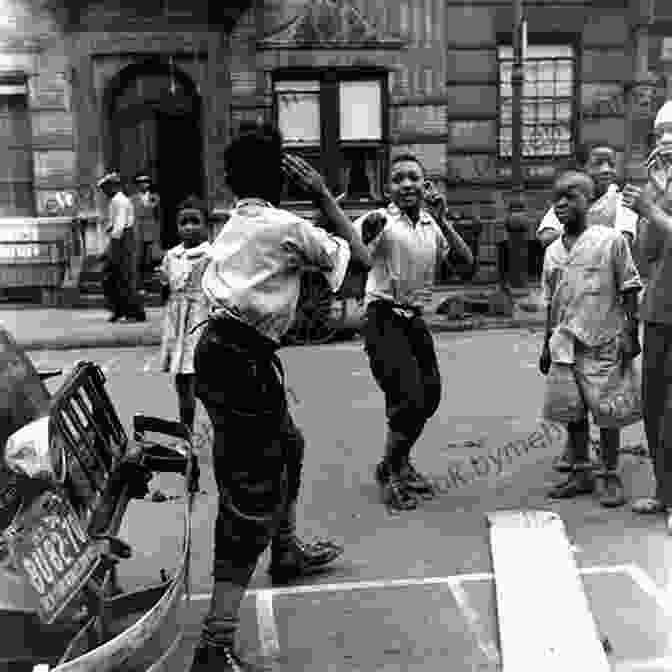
(301, 559)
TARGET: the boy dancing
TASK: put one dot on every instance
(253, 282)
(405, 243)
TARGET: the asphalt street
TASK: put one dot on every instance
(421, 582)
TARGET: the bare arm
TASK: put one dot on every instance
(341, 226)
(547, 236)
(301, 172)
(631, 308)
(455, 240)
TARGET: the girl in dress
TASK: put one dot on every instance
(181, 273)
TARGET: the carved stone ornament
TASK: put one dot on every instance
(329, 24)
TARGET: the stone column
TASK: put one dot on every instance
(640, 93)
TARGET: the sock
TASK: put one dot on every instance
(221, 623)
(397, 447)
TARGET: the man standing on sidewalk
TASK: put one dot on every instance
(253, 283)
(590, 285)
(120, 275)
(654, 205)
(147, 227)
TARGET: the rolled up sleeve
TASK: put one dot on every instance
(627, 276)
(550, 221)
(329, 253)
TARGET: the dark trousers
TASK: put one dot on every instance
(403, 362)
(657, 399)
(258, 450)
(120, 277)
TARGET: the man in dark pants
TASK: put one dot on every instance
(120, 274)
(654, 205)
(253, 282)
(406, 242)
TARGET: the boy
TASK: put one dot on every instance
(253, 283)
(599, 161)
(590, 285)
(405, 242)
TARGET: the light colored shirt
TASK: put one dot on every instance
(608, 210)
(146, 221)
(120, 215)
(404, 258)
(583, 288)
(179, 265)
(257, 262)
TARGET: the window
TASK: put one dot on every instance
(16, 173)
(338, 125)
(548, 101)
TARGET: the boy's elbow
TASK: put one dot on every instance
(547, 236)
(362, 258)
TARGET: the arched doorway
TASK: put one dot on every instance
(155, 125)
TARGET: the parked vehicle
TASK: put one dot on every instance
(67, 475)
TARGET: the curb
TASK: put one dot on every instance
(87, 341)
(152, 338)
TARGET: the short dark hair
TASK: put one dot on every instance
(586, 149)
(193, 202)
(406, 156)
(254, 162)
(576, 173)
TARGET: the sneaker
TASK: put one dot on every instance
(612, 493)
(301, 559)
(416, 482)
(578, 483)
(397, 496)
(219, 659)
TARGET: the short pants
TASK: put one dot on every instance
(579, 388)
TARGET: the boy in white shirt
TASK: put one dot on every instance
(599, 161)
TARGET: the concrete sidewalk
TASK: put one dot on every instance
(39, 328)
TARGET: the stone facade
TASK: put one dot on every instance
(443, 93)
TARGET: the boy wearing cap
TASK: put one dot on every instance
(654, 205)
(147, 225)
(120, 273)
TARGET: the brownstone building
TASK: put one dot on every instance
(160, 85)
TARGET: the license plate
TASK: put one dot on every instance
(54, 553)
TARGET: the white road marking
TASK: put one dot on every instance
(648, 585)
(653, 664)
(268, 630)
(473, 618)
(401, 583)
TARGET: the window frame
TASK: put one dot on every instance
(567, 40)
(17, 87)
(330, 142)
